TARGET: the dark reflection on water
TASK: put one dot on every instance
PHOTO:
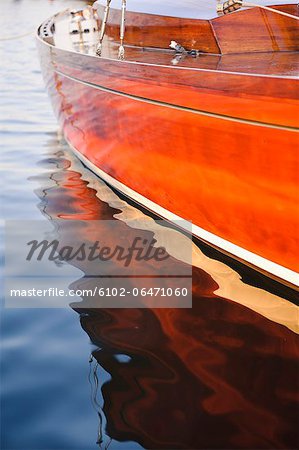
(218, 375)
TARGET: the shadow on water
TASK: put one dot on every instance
(221, 375)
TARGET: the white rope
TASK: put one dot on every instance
(277, 11)
(20, 36)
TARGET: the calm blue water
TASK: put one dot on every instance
(220, 375)
(45, 393)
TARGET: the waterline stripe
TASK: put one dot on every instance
(236, 252)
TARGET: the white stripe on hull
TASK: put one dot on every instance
(233, 250)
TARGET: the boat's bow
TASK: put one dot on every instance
(203, 130)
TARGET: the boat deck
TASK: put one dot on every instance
(188, 9)
(278, 64)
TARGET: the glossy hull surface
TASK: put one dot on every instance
(217, 147)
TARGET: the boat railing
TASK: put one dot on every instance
(230, 6)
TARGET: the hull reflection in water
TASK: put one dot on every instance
(220, 375)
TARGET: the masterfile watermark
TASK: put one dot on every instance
(52, 291)
(140, 250)
(97, 264)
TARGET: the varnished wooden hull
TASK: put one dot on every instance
(216, 147)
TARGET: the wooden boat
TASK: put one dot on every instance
(189, 109)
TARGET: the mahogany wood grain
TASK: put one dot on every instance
(255, 98)
(250, 30)
(147, 30)
(210, 139)
(232, 179)
(257, 30)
